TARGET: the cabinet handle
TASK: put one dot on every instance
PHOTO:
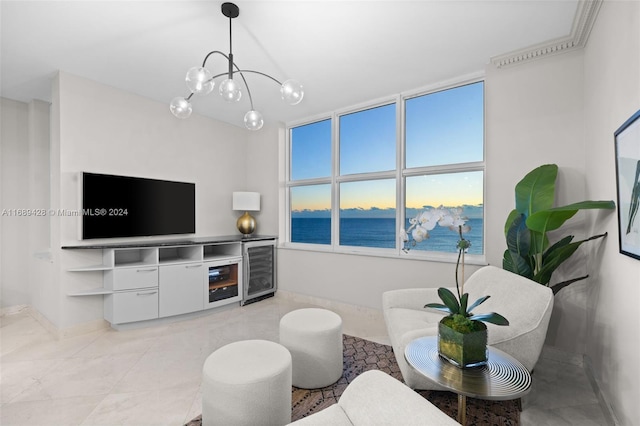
(148, 293)
(192, 266)
(146, 270)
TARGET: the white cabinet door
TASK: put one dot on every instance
(181, 289)
(130, 306)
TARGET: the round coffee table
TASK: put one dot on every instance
(502, 378)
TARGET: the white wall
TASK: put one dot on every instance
(612, 95)
(262, 170)
(535, 115)
(25, 185)
(14, 284)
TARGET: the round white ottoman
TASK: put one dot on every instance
(247, 383)
(314, 338)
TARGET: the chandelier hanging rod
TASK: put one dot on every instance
(200, 81)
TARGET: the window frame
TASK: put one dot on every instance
(399, 174)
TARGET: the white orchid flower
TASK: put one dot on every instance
(419, 234)
(446, 221)
(428, 220)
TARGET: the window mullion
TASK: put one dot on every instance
(335, 186)
(400, 164)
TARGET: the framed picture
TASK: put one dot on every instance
(627, 141)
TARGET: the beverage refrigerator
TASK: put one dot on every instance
(259, 259)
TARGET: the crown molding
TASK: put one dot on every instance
(583, 21)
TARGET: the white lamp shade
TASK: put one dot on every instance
(246, 201)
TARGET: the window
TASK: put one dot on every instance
(445, 161)
(347, 177)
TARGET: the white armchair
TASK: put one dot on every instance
(526, 304)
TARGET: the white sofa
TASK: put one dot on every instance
(375, 398)
(526, 304)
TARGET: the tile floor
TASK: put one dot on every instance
(151, 376)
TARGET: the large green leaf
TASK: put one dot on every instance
(563, 242)
(518, 236)
(551, 219)
(509, 222)
(553, 260)
(536, 191)
(513, 262)
(557, 254)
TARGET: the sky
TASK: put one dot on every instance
(444, 127)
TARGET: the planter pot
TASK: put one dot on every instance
(463, 349)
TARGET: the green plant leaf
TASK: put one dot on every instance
(555, 259)
(536, 191)
(556, 255)
(551, 219)
(492, 317)
(449, 299)
(463, 303)
(509, 222)
(477, 302)
(517, 264)
(558, 245)
(439, 306)
(518, 236)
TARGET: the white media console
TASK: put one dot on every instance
(146, 281)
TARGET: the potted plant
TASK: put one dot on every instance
(529, 252)
(462, 335)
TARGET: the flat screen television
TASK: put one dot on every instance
(124, 206)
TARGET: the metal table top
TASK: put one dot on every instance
(502, 378)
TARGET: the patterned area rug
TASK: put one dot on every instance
(361, 355)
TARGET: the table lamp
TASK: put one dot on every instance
(246, 201)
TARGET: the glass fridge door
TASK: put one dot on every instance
(260, 266)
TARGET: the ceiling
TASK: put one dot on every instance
(344, 53)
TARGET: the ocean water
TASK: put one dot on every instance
(380, 232)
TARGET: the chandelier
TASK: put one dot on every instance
(200, 81)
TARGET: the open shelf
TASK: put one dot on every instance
(91, 292)
(135, 257)
(183, 254)
(221, 251)
(91, 268)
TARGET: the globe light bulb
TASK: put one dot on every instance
(230, 90)
(199, 80)
(180, 107)
(253, 120)
(292, 92)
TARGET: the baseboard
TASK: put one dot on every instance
(603, 401)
